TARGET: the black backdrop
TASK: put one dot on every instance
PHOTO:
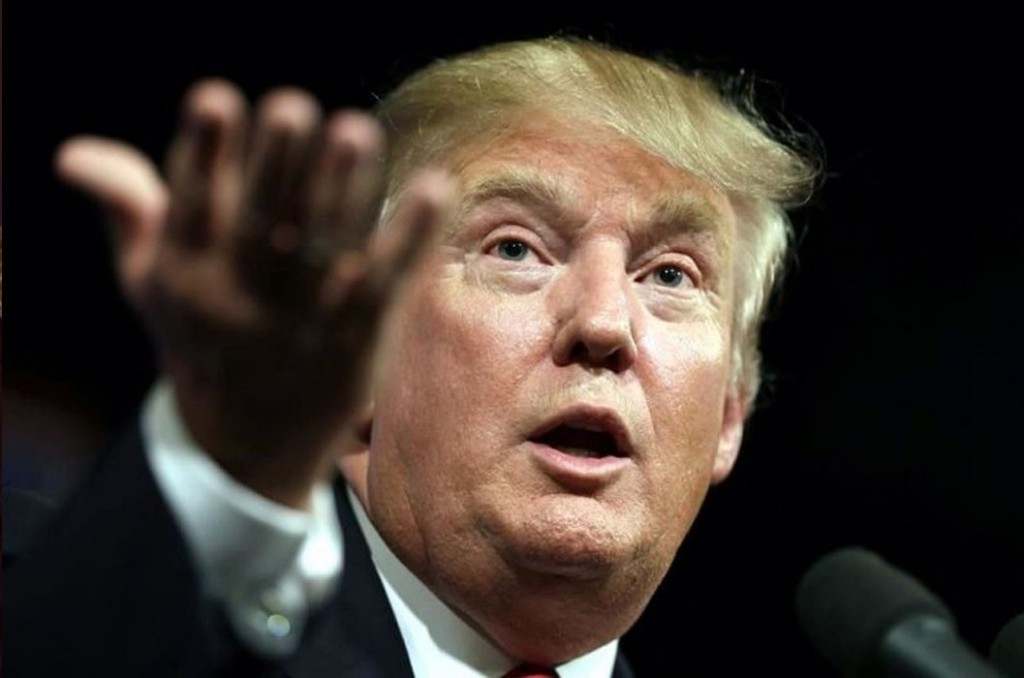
(893, 416)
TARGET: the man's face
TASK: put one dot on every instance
(557, 398)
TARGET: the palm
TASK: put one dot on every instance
(256, 268)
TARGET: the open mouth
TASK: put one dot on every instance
(580, 442)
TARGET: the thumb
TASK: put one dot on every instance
(129, 188)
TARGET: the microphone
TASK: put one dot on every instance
(871, 619)
(1007, 652)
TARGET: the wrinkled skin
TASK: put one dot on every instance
(579, 274)
(580, 281)
(253, 262)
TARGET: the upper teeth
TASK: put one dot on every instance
(587, 426)
(580, 452)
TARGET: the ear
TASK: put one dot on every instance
(354, 462)
(733, 415)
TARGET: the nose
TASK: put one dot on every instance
(597, 315)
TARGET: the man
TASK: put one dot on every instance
(591, 237)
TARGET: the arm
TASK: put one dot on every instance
(256, 267)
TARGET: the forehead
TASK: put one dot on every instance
(582, 167)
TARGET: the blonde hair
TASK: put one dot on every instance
(680, 117)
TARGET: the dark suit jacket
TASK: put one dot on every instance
(108, 589)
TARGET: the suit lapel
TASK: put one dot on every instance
(622, 668)
(356, 635)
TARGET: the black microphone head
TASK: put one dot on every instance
(851, 598)
(1007, 653)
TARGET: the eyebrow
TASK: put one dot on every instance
(682, 213)
(537, 190)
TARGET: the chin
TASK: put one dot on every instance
(573, 538)
(571, 594)
(565, 575)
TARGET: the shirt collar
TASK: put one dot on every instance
(448, 646)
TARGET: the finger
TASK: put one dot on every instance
(128, 186)
(406, 240)
(273, 210)
(410, 234)
(204, 162)
(279, 166)
(347, 187)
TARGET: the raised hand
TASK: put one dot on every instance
(259, 268)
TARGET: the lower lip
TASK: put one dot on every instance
(578, 474)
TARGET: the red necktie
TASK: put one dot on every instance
(531, 671)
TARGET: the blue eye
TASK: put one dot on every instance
(512, 250)
(669, 276)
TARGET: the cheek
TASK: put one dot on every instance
(459, 356)
(687, 367)
(486, 331)
(687, 377)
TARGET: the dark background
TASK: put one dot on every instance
(893, 416)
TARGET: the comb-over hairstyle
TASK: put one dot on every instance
(683, 118)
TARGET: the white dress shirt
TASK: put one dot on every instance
(272, 564)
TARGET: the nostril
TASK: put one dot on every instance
(596, 326)
(589, 355)
(579, 353)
